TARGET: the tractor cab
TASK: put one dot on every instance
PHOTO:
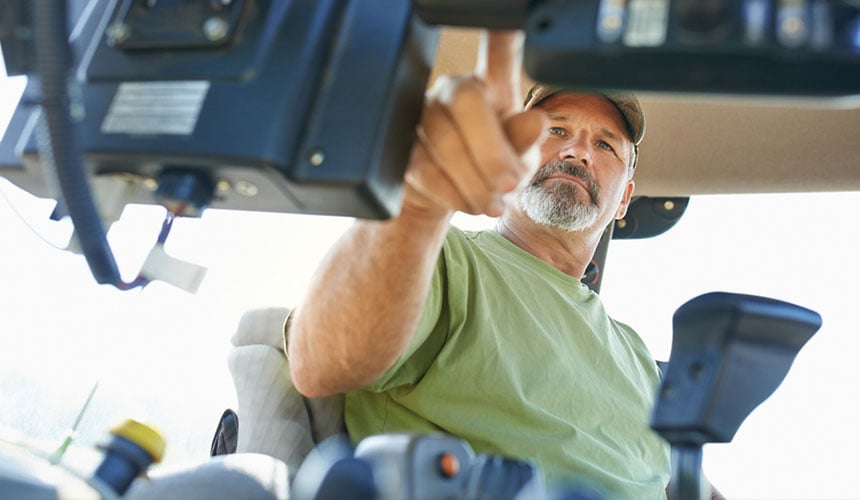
(171, 172)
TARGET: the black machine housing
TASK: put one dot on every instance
(792, 48)
(309, 106)
(302, 106)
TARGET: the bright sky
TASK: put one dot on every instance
(160, 354)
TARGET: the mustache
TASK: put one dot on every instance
(571, 169)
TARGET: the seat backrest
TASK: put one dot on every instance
(274, 419)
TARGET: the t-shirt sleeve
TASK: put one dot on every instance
(429, 337)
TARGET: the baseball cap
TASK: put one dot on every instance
(626, 102)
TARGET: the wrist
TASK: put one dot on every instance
(423, 225)
(420, 212)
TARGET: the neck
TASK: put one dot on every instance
(568, 251)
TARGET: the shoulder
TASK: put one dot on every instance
(461, 242)
(638, 347)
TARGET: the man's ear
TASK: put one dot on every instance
(625, 200)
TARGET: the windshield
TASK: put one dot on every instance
(160, 354)
(801, 248)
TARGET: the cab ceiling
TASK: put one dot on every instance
(720, 145)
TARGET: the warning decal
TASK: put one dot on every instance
(155, 108)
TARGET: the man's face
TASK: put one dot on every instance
(583, 181)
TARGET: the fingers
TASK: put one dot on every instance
(483, 134)
(443, 141)
(427, 189)
(499, 66)
(473, 147)
(526, 131)
(466, 158)
(435, 185)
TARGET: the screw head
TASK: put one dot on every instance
(215, 29)
(316, 157)
(669, 205)
(247, 189)
(118, 32)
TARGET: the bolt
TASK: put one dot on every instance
(669, 205)
(245, 188)
(317, 157)
(118, 32)
(222, 186)
(215, 29)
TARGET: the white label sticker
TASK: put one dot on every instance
(155, 108)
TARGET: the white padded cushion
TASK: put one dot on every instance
(262, 326)
(274, 419)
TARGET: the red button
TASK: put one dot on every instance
(449, 465)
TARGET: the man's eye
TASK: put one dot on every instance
(604, 145)
(557, 131)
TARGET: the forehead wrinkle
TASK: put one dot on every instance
(559, 118)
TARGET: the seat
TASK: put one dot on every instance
(274, 419)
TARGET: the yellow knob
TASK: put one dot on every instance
(142, 435)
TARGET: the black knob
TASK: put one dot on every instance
(703, 18)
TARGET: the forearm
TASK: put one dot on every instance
(367, 297)
(364, 303)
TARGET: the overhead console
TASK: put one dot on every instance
(755, 47)
(310, 106)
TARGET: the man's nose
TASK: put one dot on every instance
(575, 149)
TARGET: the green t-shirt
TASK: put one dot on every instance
(520, 359)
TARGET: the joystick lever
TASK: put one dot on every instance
(729, 353)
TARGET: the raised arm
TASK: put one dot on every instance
(366, 298)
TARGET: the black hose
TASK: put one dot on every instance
(57, 141)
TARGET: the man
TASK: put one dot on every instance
(491, 336)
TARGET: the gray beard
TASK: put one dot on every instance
(560, 204)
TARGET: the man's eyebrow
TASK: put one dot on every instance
(611, 135)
